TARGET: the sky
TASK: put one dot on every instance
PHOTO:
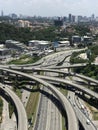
(50, 7)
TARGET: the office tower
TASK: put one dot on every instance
(73, 19)
(70, 18)
(2, 14)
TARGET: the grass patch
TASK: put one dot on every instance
(71, 78)
(95, 115)
(17, 92)
(94, 111)
(24, 59)
(63, 124)
(11, 109)
(64, 91)
(32, 106)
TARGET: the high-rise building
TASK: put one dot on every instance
(76, 39)
(73, 19)
(70, 18)
(92, 17)
(65, 18)
(58, 22)
(2, 14)
(13, 16)
(80, 18)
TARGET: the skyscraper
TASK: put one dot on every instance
(80, 18)
(70, 18)
(92, 17)
(73, 19)
(2, 14)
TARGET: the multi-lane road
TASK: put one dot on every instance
(70, 83)
(47, 115)
(65, 103)
(81, 112)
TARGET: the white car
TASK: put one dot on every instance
(88, 122)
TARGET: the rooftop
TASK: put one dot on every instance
(40, 42)
(64, 42)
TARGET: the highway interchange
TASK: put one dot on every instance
(67, 105)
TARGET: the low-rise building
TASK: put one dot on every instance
(76, 39)
(84, 40)
(41, 45)
(4, 53)
(87, 40)
(15, 45)
(24, 23)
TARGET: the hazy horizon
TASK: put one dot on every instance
(50, 7)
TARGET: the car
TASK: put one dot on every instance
(88, 121)
(82, 107)
(74, 104)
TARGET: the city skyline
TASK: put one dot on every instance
(49, 7)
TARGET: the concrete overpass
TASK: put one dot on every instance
(34, 69)
(22, 117)
(72, 66)
(61, 72)
(79, 87)
(71, 117)
(81, 113)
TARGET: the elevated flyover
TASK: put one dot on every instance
(22, 117)
(79, 87)
(59, 72)
(71, 117)
(35, 69)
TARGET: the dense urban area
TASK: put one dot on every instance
(48, 72)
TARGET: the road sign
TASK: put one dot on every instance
(55, 44)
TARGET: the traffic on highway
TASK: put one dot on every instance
(53, 105)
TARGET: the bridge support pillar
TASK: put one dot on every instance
(2, 79)
(60, 75)
(64, 76)
(68, 69)
(38, 85)
(16, 81)
(89, 83)
(38, 72)
(95, 87)
(22, 69)
(83, 94)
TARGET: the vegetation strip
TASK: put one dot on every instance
(32, 106)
